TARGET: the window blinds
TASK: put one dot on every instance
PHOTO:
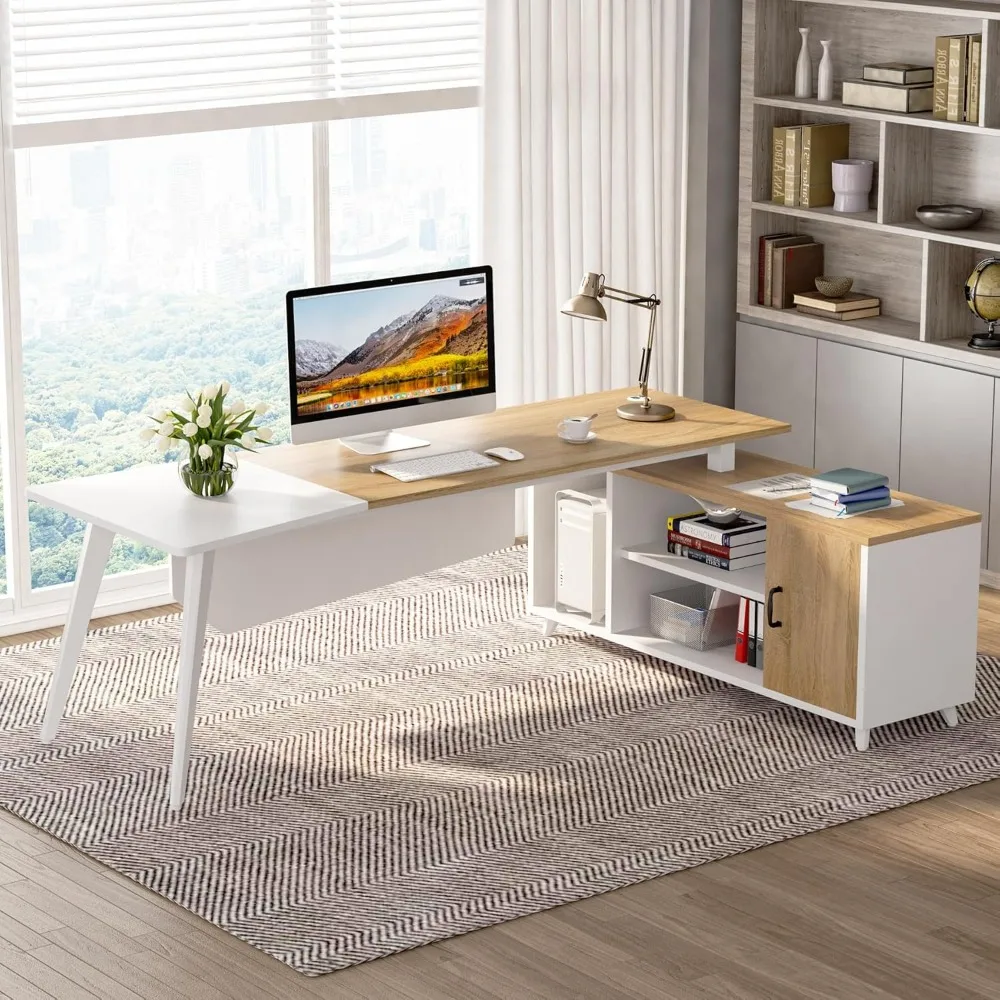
(78, 59)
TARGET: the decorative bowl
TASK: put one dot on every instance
(833, 287)
(718, 513)
(949, 216)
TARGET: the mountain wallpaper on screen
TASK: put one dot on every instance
(443, 326)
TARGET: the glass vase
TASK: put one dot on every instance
(209, 477)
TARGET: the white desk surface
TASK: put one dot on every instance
(150, 504)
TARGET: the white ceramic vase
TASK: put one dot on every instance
(852, 183)
(824, 86)
(803, 68)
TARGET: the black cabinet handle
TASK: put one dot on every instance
(771, 623)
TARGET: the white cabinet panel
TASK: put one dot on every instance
(858, 395)
(776, 378)
(947, 442)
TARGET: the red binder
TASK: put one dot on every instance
(742, 628)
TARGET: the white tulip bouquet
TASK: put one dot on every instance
(208, 425)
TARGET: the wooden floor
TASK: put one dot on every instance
(906, 904)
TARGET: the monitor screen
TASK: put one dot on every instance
(395, 342)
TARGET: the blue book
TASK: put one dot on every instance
(851, 508)
(876, 493)
(848, 481)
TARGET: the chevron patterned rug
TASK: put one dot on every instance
(420, 762)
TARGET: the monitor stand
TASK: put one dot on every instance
(380, 442)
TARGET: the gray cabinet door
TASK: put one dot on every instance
(858, 396)
(993, 534)
(776, 378)
(947, 442)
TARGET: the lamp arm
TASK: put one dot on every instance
(620, 295)
(647, 356)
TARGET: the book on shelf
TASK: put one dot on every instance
(716, 562)
(742, 531)
(854, 507)
(752, 635)
(795, 269)
(821, 145)
(793, 165)
(899, 73)
(778, 164)
(940, 103)
(765, 263)
(875, 493)
(725, 551)
(674, 520)
(958, 53)
(906, 98)
(759, 662)
(742, 628)
(846, 303)
(845, 317)
(848, 480)
(972, 81)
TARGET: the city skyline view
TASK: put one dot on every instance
(149, 266)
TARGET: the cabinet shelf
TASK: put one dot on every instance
(980, 238)
(922, 119)
(940, 8)
(747, 582)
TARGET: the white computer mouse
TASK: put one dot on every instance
(507, 454)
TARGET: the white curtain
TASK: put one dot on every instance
(583, 171)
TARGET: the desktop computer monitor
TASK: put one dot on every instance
(370, 356)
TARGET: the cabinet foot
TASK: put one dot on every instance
(950, 716)
(548, 627)
(861, 738)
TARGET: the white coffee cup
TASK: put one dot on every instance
(575, 428)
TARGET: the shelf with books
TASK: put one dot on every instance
(878, 329)
(984, 237)
(747, 582)
(835, 108)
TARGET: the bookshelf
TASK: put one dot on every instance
(918, 272)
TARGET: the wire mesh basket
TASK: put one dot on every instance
(695, 615)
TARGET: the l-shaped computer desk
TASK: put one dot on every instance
(849, 601)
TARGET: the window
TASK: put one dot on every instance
(171, 175)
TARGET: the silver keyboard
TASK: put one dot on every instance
(409, 470)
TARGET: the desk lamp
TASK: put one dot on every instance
(586, 304)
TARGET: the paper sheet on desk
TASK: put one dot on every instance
(826, 512)
(786, 485)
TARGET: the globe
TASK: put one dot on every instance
(982, 292)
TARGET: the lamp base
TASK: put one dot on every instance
(653, 412)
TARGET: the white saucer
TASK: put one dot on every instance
(590, 437)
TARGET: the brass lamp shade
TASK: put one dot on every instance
(586, 304)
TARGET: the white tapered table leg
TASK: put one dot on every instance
(950, 716)
(197, 586)
(89, 573)
(861, 738)
(548, 627)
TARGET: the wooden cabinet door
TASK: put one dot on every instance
(776, 377)
(813, 655)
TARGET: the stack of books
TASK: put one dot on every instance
(737, 545)
(853, 305)
(899, 87)
(787, 263)
(849, 491)
(802, 162)
(957, 69)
